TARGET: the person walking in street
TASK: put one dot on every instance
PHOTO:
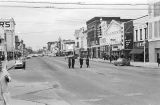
(4, 80)
(158, 61)
(69, 62)
(81, 62)
(73, 62)
(87, 61)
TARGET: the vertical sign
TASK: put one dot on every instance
(128, 35)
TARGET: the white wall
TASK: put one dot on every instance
(139, 24)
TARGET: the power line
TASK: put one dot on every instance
(82, 8)
(76, 3)
(35, 32)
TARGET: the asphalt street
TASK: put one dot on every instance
(47, 79)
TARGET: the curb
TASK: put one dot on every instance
(10, 68)
(130, 65)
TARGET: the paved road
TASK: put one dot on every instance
(48, 79)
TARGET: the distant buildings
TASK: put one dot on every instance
(8, 40)
(104, 35)
(136, 39)
(64, 47)
(81, 41)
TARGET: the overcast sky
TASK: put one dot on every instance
(37, 26)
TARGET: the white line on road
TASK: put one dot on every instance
(133, 94)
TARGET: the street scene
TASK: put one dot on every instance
(79, 52)
(49, 81)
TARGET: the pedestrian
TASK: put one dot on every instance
(81, 62)
(73, 62)
(158, 61)
(4, 80)
(87, 62)
(69, 62)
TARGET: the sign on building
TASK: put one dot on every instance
(128, 35)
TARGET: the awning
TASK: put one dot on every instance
(136, 51)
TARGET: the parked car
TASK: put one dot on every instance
(122, 62)
(20, 63)
(28, 57)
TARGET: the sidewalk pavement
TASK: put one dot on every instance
(10, 64)
(136, 64)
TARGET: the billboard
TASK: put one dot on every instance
(128, 35)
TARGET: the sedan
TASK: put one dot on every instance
(122, 62)
(19, 64)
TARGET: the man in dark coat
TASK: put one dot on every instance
(87, 62)
(81, 62)
(73, 62)
(69, 62)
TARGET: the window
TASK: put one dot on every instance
(145, 33)
(157, 9)
(150, 30)
(140, 34)
(136, 35)
(156, 29)
(159, 28)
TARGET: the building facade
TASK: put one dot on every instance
(81, 42)
(68, 47)
(2, 42)
(9, 29)
(140, 39)
(112, 40)
(53, 48)
(154, 30)
(96, 28)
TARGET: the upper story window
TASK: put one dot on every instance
(156, 9)
(150, 30)
(146, 33)
(140, 34)
(136, 35)
(156, 29)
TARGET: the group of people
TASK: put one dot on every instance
(71, 62)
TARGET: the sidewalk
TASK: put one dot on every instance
(136, 64)
(10, 64)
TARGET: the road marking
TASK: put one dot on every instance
(133, 94)
(92, 100)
